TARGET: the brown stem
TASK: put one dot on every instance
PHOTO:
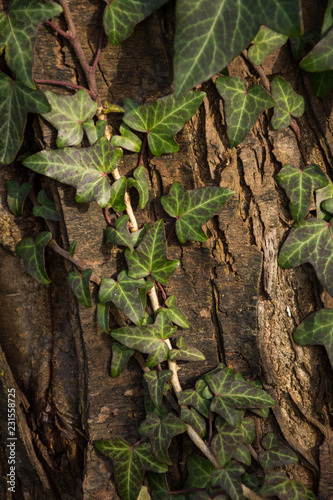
(99, 48)
(107, 217)
(61, 32)
(143, 147)
(259, 70)
(64, 84)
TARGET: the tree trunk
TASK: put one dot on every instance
(235, 296)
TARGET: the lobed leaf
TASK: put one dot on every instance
(288, 103)
(277, 484)
(265, 42)
(46, 209)
(229, 479)
(185, 353)
(277, 454)
(16, 195)
(120, 356)
(320, 58)
(79, 284)
(33, 256)
(140, 183)
(127, 140)
(118, 190)
(156, 382)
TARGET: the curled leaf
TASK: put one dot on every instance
(33, 256)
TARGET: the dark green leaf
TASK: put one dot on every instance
(317, 329)
(16, 100)
(68, 114)
(156, 382)
(322, 83)
(85, 169)
(249, 429)
(211, 34)
(33, 256)
(277, 484)
(103, 316)
(129, 462)
(328, 18)
(288, 103)
(322, 195)
(193, 418)
(72, 248)
(18, 28)
(185, 353)
(194, 397)
(80, 286)
(16, 195)
(298, 44)
(150, 256)
(118, 190)
(46, 209)
(242, 107)
(327, 205)
(265, 42)
(94, 132)
(141, 184)
(320, 58)
(250, 481)
(199, 471)
(242, 454)
(310, 241)
(138, 235)
(162, 119)
(160, 433)
(193, 208)
(226, 441)
(176, 316)
(229, 479)
(159, 489)
(277, 454)
(120, 235)
(299, 186)
(120, 356)
(127, 140)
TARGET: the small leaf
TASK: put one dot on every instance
(72, 248)
(199, 471)
(141, 184)
(320, 58)
(120, 235)
(156, 382)
(277, 484)
(317, 329)
(33, 256)
(103, 316)
(242, 107)
(85, 169)
(162, 119)
(225, 442)
(16, 195)
(120, 356)
(277, 454)
(288, 103)
(193, 418)
(185, 353)
(118, 190)
(265, 42)
(193, 208)
(144, 495)
(150, 256)
(299, 186)
(47, 208)
(228, 478)
(127, 140)
(322, 195)
(80, 286)
(112, 108)
(176, 316)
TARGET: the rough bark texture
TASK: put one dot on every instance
(231, 289)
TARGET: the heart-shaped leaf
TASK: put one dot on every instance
(176, 316)
(277, 454)
(193, 418)
(118, 190)
(120, 356)
(156, 382)
(150, 256)
(320, 58)
(277, 484)
(225, 442)
(85, 169)
(46, 209)
(160, 432)
(242, 107)
(288, 103)
(33, 256)
(194, 397)
(311, 241)
(185, 353)
(317, 329)
(16, 195)
(18, 27)
(16, 100)
(211, 34)
(299, 186)
(193, 208)
(162, 119)
(141, 184)
(265, 42)
(80, 286)
(127, 140)
(129, 463)
(229, 479)
(103, 316)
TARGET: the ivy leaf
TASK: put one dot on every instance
(16, 100)
(159, 488)
(229, 479)
(120, 17)
(321, 83)
(103, 316)
(176, 316)
(277, 454)
(185, 353)
(120, 356)
(225, 441)
(199, 471)
(242, 454)
(288, 103)
(118, 190)
(127, 140)
(68, 114)
(47, 208)
(277, 484)
(242, 107)
(16, 195)
(18, 37)
(72, 248)
(94, 132)
(150, 256)
(156, 382)
(120, 235)
(317, 329)
(249, 430)
(193, 208)
(310, 241)
(193, 418)
(320, 58)
(194, 397)
(85, 169)
(162, 119)
(299, 186)
(322, 195)
(265, 42)
(129, 463)
(160, 432)
(327, 205)
(80, 286)
(144, 495)
(211, 34)
(141, 184)
(33, 256)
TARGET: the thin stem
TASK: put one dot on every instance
(143, 147)
(64, 84)
(162, 291)
(61, 32)
(107, 217)
(259, 70)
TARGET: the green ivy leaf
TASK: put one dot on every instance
(242, 454)
(156, 382)
(194, 397)
(299, 186)
(277, 454)
(33, 256)
(16, 100)
(120, 235)
(46, 209)
(120, 356)
(193, 418)
(120, 17)
(321, 83)
(103, 316)
(226, 441)
(85, 169)
(129, 463)
(265, 42)
(199, 471)
(310, 241)
(68, 114)
(94, 132)
(288, 103)
(176, 316)
(160, 432)
(249, 430)
(144, 495)
(298, 44)
(150, 256)
(118, 190)
(228, 478)
(127, 140)
(18, 28)
(320, 58)
(242, 106)
(193, 208)
(327, 205)
(141, 184)
(72, 248)
(211, 34)
(185, 353)
(162, 119)
(80, 286)
(112, 108)
(317, 329)
(159, 488)
(16, 195)
(322, 195)
(277, 484)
